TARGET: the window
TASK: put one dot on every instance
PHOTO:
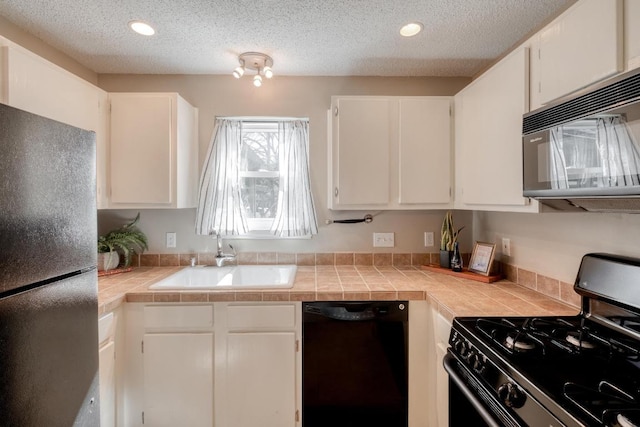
(259, 173)
(256, 179)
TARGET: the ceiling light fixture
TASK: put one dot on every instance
(142, 28)
(254, 61)
(411, 29)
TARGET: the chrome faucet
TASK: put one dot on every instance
(221, 257)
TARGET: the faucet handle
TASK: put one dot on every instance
(233, 250)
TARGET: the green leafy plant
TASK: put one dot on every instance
(448, 233)
(127, 240)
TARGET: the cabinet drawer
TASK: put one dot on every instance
(106, 328)
(278, 316)
(198, 316)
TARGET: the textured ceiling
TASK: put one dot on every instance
(321, 37)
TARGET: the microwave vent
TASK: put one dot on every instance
(598, 204)
(622, 91)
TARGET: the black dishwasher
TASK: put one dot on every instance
(354, 362)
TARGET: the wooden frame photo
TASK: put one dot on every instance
(482, 258)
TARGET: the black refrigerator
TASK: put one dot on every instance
(48, 279)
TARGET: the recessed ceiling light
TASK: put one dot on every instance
(411, 29)
(142, 28)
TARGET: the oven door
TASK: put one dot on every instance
(470, 403)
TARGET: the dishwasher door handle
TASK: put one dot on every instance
(450, 363)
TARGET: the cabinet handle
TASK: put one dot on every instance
(335, 111)
(335, 192)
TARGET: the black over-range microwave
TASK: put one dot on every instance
(582, 153)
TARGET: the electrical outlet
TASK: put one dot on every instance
(171, 240)
(428, 239)
(506, 246)
(383, 240)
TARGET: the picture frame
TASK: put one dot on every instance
(482, 256)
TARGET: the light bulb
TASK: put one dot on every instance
(268, 72)
(257, 80)
(411, 29)
(238, 72)
(142, 28)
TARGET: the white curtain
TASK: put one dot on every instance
(219, 201)
(220, 207)
(296, 215)
(618, 151)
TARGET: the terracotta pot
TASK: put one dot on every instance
(108, 260)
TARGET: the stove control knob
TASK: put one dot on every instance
(460, 347)
(511, 395)
(475, 361)
(471, 357)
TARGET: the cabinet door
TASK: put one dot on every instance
(361, 144)
(260, 379)
(632, 33)
(36, 85)
(178, 379)
(106, 357)
(141, 149)
(442, 387)
(583, 46)
(102, 152)
(489, 137)
(424, 150)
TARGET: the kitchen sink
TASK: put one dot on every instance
(231, 277)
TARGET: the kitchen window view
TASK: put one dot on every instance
(259, 173)
(256, 180)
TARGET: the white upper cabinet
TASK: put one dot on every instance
(424, 151)
(36, 85)
(582, 46)
(390, 152)
(632, 33)
(488, 141)
(153, 152)
(360, 153)
(33, 84)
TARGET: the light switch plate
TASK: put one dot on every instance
(383, 240)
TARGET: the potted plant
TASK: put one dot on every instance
(448, 239)
(126, 240)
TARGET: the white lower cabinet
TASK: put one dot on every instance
(107, 370)
(441, 330)
(258, 364)
(178, 379)
(221, 364)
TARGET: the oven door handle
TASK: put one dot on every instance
(449, 363)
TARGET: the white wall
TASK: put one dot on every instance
(287, 96)
(552, 244)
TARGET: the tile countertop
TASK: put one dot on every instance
(453, 296)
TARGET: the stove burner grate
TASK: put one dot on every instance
(509, 337)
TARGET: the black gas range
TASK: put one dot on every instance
(579, 370)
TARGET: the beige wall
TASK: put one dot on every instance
(287, 96)
(37, 46)
(552, 244)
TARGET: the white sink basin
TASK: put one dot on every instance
(232, 277)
